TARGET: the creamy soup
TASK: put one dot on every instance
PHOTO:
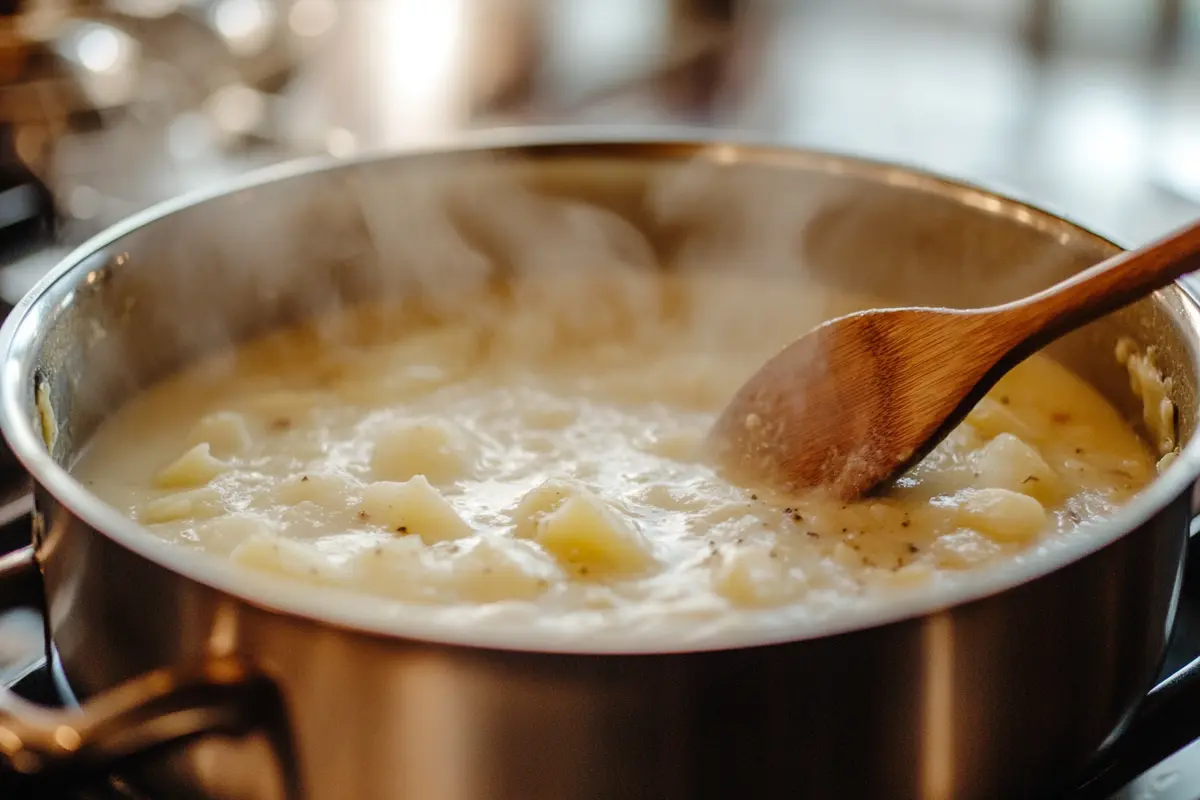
(535, 458)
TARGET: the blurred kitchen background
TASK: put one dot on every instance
(1091, 107)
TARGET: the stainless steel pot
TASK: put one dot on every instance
(1010, 687)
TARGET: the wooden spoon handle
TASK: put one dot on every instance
(1108, 286)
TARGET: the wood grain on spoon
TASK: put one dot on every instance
(863, 397)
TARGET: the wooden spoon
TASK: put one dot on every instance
(863, 397)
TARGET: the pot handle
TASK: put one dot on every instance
(145, 716)
(1158, 729)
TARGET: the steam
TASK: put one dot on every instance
(753, 254)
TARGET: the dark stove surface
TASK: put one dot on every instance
(38, 683)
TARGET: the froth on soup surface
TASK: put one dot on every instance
(532, 458)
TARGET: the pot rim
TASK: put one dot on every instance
(362, 614)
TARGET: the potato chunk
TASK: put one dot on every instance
(225, 432)
(991, 418)
(224, 533)
(495, 568)
(589, 538)
(423, 447)
(751, 577)
(1007, 462)
(1004, 515)
(288, 558)
(329, 490)
(402, 568)
(194, 468)
(413, 507)
(201, 503)
(539, 502)
(963, 549)
(487, 570)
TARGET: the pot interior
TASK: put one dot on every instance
(219, 271)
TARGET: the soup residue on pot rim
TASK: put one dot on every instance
(534, 459)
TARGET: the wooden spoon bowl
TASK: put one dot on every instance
(862, 398)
